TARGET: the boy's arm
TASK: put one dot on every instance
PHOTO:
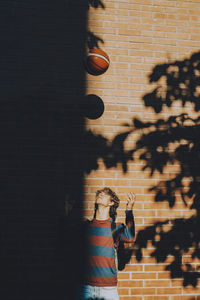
(127, 235)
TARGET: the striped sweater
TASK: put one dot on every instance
(100, 261)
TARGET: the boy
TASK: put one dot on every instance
(100, 273)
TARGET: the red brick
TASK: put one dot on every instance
(156, 298)
(130, 283)
(143, 291)
(144, 275)
(169, 291)
(157, 283)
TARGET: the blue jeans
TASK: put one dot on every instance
(89, 292)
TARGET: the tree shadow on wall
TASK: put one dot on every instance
(92, 40)
(174, 140)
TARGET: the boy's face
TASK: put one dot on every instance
(104, 199)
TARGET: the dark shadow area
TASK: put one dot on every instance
(96, 146)
(85, 3)
(42, 76)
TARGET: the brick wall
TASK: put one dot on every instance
(138, 35)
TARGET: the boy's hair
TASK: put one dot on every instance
(114, 198)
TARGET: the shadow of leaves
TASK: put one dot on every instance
(173, 141)
(96, 146)
(170, 240)
(93, 40)
(165, 142)
(182, 81)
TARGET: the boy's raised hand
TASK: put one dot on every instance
(130, 200)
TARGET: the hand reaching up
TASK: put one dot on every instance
(130, 200)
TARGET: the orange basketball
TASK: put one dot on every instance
(97, 61)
